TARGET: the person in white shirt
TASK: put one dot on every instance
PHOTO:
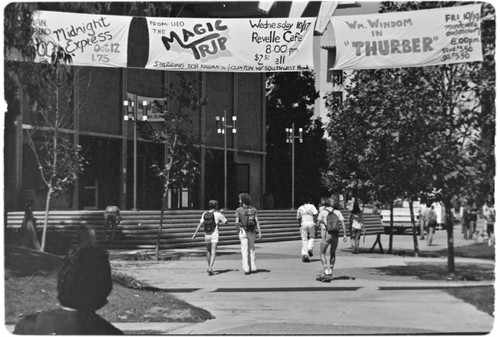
(356, 224)
(212, 235)
(329, 238)
(306, 215)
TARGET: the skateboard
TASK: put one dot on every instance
(324, 278)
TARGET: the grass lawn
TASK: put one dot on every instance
(482, 298)
(30, 285)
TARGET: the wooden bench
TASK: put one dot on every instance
(400, 222)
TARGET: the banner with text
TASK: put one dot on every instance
(408, 39)
(231, 45)
(92, 40)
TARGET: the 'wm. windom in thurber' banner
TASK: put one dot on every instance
(231, 45)
(408, 39)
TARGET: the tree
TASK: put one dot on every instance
(48, 89)
(59, 160)
(290, 99)
(420, 128)
(181, 168)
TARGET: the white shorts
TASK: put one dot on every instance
(212, 237)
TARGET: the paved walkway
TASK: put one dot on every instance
(283, 297)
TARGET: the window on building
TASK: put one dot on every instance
(337, 76)
(337, 97)
(333, 76)
(330, 63)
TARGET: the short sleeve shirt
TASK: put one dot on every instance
(306, 213)
(241, 213)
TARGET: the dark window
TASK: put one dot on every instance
(336, 76)
(337, 97)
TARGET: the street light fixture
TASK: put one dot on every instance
(221, 129)
(290, 138)
(132, 114)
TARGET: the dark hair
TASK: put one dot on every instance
(245, 198)
(336, 205)
(84, 281)
(355, 208)
(213, 204)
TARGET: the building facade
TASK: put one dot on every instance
(116, 174)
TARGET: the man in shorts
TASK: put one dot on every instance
(329, 238)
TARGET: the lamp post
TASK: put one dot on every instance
(221, 129)
(132, 114)
(290, 138)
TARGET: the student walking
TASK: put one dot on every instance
(470, 216)
(248, 229)
(210, 221)
(329, 219)
(489, 215)
(357, 225)
(431, 224)
(306, 215)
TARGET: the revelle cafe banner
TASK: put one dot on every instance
(232, 45)
(408, 39)
(92, 40)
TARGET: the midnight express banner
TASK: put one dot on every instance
(408, 39)
(91, 40)
(231, 45)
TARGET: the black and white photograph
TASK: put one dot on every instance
(291, 168)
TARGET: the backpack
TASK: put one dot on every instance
(209, 221)
(332, 222)
(432, 216)
(250, 222)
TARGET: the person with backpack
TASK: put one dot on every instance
(329, 219)
(248, 229)
(357, 225)
(431, 224)
(210, 221)
(306, 215)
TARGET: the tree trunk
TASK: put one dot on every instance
(414, 228)
(391, 227)
(46, 218)
(449, 232)
(160, 226)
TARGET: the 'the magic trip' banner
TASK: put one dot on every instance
(91, 40)
(233, 45)
(408, 39)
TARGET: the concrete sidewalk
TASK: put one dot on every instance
(283, 297)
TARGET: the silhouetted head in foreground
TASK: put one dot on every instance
(84, 281)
